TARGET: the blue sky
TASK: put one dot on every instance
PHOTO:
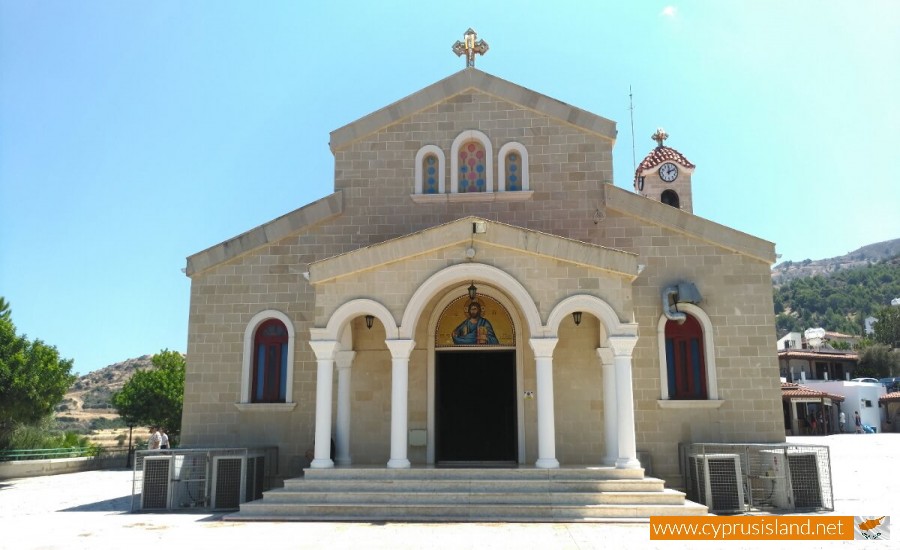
(134, 134)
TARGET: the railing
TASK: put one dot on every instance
(43, 454)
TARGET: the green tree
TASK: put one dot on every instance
(878, 361)
(155, 396)
(5, 312)
(887, 328)
(33, 378)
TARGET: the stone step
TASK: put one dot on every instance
(261, 511)
(523, 473)
(469, 486)
(667, 496)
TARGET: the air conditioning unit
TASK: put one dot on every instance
(717, 481)
(805, 485)
(255, 479)
(157, 482)
(228, 482)
(794, 478)
(189, 482)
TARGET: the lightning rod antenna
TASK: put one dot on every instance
(631, 108)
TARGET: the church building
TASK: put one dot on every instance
(476, 291)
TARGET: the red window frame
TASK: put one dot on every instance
(270, 363)
(686, 360)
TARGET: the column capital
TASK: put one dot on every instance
(324, 349)
(622, 346)
(343, 359)
(400, 349)
(543, 347)
(606, 355)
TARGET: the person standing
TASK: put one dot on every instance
(155, 439)
(164, 439)
(858, 422)
(842, 420)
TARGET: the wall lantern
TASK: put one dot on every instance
(576, 316)
(369, 320)
(472, 290)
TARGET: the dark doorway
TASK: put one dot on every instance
(475, 400)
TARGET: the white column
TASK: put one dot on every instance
(343, 359)
(610, 415)
(400, 351)
(325, 351)
(543, 357)
(622, 347)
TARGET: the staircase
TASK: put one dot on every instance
(469, 494)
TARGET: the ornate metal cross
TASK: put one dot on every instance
(660, 136)
(470, 47)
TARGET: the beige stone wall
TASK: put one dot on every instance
(737, 297)
(567, 169)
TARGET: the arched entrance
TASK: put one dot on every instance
(475, 378)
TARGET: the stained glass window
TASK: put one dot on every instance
(430, 174)
(513, 171)
(472, 168)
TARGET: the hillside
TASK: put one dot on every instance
(838, 301)
(872, 253)
(86, 406)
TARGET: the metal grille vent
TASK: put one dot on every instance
(227, 483)
(718, 481)
(805, 480)
(256, 477)
(155, 491)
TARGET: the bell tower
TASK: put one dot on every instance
(665, 175)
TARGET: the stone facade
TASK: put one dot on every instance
(571, 234)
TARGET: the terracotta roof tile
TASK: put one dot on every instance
(790, 389)
(892, 397)
(660, 155)
(835, 355)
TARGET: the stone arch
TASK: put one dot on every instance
(501, 165)
(354, 308)
(420, 177)
(469, 272)
(472, 135)
(596, 307)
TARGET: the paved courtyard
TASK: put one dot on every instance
(91, 510)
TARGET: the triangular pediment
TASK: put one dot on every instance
(463, 81)
(479, 234)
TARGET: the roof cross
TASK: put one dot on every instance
(469, 46)
(660, 136)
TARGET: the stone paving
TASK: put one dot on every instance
(91, 510)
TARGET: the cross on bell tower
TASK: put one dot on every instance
(469, 46)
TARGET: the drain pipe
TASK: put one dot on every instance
(669, 298)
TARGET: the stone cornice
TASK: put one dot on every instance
(617, 262)
(465, 80)
(292, 222)
(680, 221)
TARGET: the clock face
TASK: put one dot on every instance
(668, 172)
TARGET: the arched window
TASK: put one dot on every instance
(429, 172)
(691, 347)
(472, 176)
(685, 360)
(471, 163)
(513, 163)
(671, 198)
(270, 363)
